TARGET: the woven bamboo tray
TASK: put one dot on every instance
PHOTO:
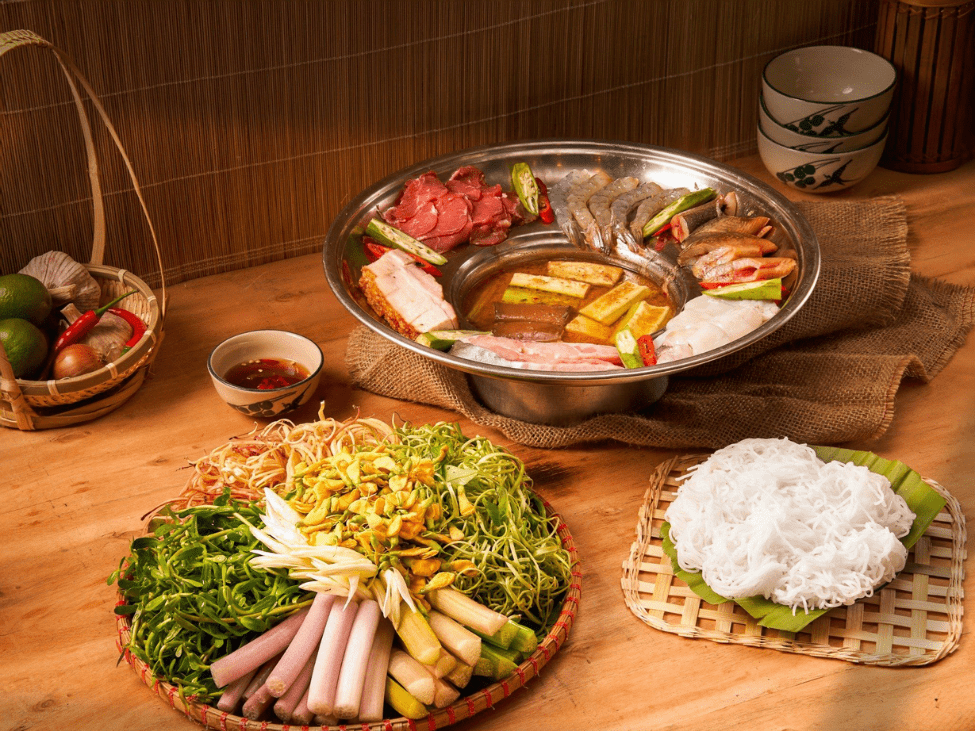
(465, 707)
(914, 620)
(30, 405)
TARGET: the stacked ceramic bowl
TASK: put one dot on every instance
(823, 116)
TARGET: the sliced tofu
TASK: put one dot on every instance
(549, 284)
(610, 307)
(602, 275)
(587, 327)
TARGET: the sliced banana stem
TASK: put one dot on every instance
(418, 638)
(468, 612)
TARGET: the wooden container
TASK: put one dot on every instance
(931, 43)
(29, 405)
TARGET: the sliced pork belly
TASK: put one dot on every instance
(549, 356)
(482, 355)
(408, 298)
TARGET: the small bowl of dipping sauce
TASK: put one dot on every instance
(266, 373)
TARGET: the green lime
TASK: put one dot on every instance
(25, 344)
(24, 296)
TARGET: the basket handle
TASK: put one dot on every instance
(17, 38)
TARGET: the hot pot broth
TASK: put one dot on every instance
(478, 306)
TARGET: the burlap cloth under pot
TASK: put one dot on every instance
(827, 376)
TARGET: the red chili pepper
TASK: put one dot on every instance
(545, 211)
(272, 382)
(648, 353)
(427, 267)
(83, 325)
(715, 285)
(374, 251)
(138, 326)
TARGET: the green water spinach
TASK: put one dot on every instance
(192, 595)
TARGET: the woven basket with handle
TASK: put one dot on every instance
(29, 405)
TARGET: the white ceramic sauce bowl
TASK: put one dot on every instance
(785, 136)
(819, 172)
(828, 91)
(255, 344)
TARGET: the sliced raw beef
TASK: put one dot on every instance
(467, 181)
(491, 218)
(417, 193)
(422, 222)
(489, 207)
(454, 213)
(466, 208)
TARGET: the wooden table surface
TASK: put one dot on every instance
(72, 501)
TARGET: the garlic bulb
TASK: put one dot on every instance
(109, 335)
(65, 279)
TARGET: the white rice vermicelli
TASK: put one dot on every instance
(768, 517)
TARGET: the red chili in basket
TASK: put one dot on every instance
(84, 324)
(138, 326)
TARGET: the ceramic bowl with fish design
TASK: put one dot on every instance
(785, 136)
(819, 172)
(828, 91)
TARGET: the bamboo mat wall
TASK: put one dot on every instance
(251, 124)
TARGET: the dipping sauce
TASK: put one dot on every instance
(266, 373)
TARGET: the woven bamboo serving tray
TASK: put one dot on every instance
(28, 405)
(914, 620)
(465, 707)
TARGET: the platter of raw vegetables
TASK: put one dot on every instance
(343, 572)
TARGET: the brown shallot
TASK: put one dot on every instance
(76, 360)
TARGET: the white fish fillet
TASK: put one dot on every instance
(707, 323)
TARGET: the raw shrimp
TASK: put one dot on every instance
(558, 195)
(620, 212)
(600, 236)
(579, 196)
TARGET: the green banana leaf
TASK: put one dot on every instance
(692, 578)
(921, 498)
